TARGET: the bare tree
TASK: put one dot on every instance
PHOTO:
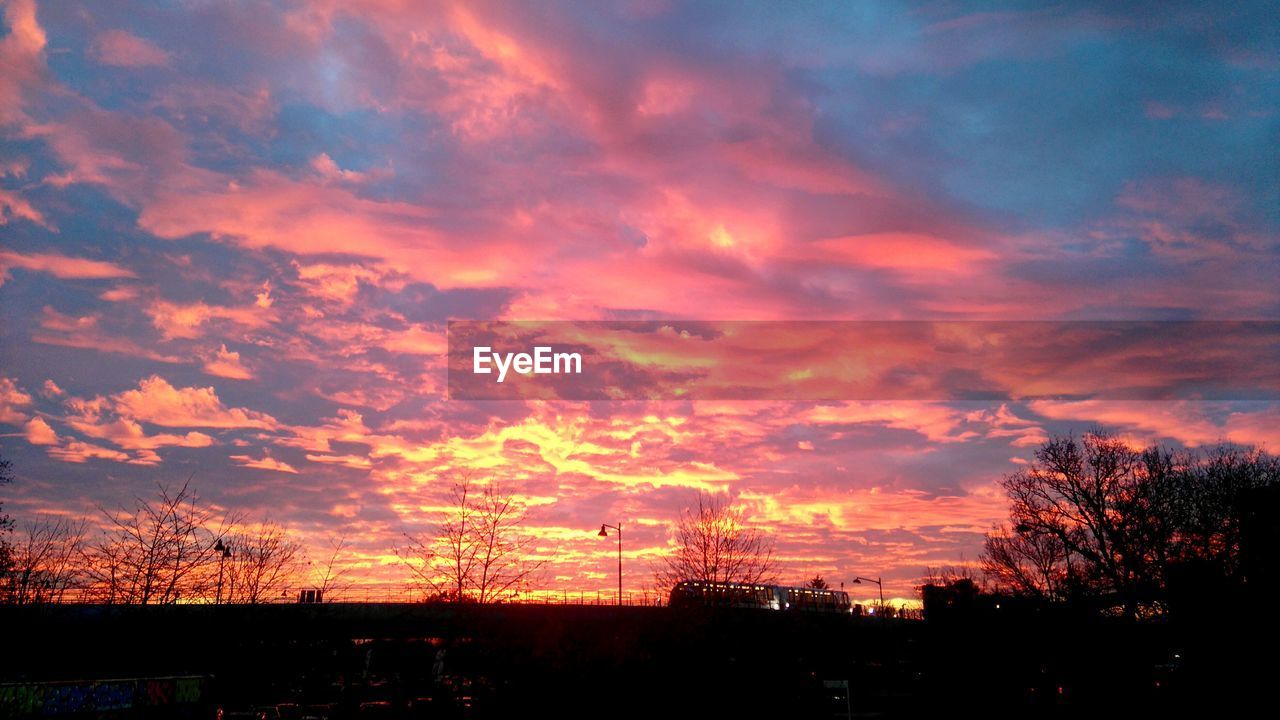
(478, 552)
(1203, 504)
(442, 563)
(1092, 496)
(159, 551)
(330, 576)
(1096, 516)
(502, 560)
(6, 523)
(713, 543)
(262, 564)
(1026, 564)
(951, 574)
(46, 561)
(948, 589)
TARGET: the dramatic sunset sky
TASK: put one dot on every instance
(231, 235)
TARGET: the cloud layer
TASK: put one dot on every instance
(233, 235)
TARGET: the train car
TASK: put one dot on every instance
(690, 593)
(814, 600)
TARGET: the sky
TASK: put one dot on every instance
(231, 236)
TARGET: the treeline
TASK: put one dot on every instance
(170, 548)
(1097, 522)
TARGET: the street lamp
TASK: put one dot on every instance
(224, 552)
(604, 532)
(858, 581)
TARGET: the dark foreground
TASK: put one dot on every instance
(340, 662)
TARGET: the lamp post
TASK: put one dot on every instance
(224, 552)
(604, 532)
(859, 580)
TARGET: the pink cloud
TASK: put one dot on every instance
(177, 320)
(1190, 423)
(22, 57)
(157, 402)
(352, 461)
(328, 169)
(129, 435)
(61, 266)
(119, 294)
(266, 462)
(14, 207)
(12, 398)
(348, 427)
(227, 364)
(38, 432)
(76, 451)
(83, 332)
(124, 49)
(269, 210)
(938, 423)
(920, 256)
(336, 283)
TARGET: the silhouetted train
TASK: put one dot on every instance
(763, 597)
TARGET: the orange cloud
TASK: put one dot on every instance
(266, 462)
(83, 332)
(336, 283)
(348, 427)
(157, 402)
(1191, 423)
(12, 398)
(175, 320)
(128, 434)
(270, 210)
(919, 255)
(227, 364)
(352, 461)
(80, 452)
(38, 432)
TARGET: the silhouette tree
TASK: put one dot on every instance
(817, 582)
(714, 544)
(478, 552)
(6, 522)
(1203, 502)
(949, 591)
(1095, 498)
(1096, 516)
(46, 561)
(159, 551)
(330, 576)
(1027, 564)
(262, 564)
